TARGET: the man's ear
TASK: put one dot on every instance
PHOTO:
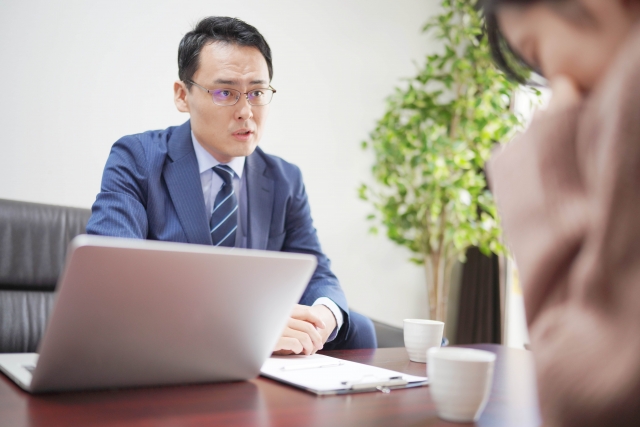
(180, 96)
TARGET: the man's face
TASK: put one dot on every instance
(226, 131)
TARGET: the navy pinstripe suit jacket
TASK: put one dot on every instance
(151, 190)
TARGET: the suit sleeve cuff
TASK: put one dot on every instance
(337, 313)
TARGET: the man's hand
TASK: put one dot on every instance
(307, 330)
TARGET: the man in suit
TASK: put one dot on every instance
(206, 181)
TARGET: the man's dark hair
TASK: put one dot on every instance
(217, 29)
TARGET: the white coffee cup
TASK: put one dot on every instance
(460, 382)
(420, 335)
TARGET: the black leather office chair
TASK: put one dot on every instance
(33, 245)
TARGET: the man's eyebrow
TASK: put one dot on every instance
(224, 82)
(235, 83)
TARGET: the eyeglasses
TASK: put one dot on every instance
(229, 97)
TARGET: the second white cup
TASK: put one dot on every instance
(460, 382)
(420, 335)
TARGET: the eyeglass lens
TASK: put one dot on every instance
(231, 96)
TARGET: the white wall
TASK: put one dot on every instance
(77, 75)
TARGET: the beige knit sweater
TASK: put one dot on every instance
(568, 191)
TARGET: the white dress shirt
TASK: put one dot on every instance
(211, 184)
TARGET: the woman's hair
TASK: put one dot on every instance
(503, 55)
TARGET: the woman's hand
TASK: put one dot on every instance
(565, 95)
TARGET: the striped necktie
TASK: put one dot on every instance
(224, 219)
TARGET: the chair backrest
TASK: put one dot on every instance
(33, 245)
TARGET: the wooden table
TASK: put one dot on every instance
(263, 402)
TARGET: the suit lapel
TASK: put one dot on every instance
(182, 177)
(260, 195)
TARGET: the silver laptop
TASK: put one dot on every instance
(132, 313)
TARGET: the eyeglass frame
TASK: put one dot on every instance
(246, 94)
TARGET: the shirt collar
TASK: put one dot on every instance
(206, 161)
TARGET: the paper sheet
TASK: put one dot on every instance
(337, 377)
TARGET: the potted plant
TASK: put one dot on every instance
(430, 147)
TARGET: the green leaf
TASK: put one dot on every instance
(432, 142)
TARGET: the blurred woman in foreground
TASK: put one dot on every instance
(569, 194)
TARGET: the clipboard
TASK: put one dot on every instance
(324, 375)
